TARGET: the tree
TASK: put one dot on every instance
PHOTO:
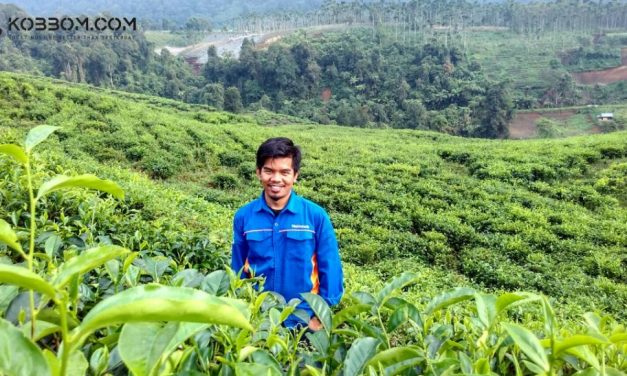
(214, 95)
(213, 71)
(415, 114)
(197, 24)
(232, 100)
(494, 112)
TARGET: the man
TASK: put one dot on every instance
(286, 238)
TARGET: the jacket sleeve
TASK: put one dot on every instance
(329, 264)
(239, 249)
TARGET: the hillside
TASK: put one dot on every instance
(548, 216)
(416, 215)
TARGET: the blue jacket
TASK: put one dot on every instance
(296, 251)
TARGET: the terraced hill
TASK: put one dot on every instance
(547, 216)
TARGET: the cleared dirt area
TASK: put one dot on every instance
(603, 77)
(524, 123)
(230, 43)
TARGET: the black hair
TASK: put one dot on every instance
(279, 147)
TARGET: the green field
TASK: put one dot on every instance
(172, 39)
(533, 63)
(544, 216)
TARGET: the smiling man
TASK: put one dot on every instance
(284, 237)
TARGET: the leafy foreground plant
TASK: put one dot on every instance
(54, 296)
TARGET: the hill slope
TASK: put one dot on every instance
(537, 215)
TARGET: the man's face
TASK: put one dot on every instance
(277, 177)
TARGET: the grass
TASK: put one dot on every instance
(523, 59)
(163, 38)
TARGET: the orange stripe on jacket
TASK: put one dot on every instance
(315, 281)
(246, 267)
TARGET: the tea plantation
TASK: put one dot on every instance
(459, 228)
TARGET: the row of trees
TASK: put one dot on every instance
(417, 16)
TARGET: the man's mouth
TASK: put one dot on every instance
(275, 188)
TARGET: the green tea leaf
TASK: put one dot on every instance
(144, 345)
(593, 321)
(7, 294)
(618, 338)
(99, 361)
(113, 269)
(584, 353)
(398, 318)
(529, 344)
(37, 135)
(22, 277)
(396, 359)
(216, 283)
(154, 302)
(154, 266)
(611, 371)
(412, 312)
(360, 352)
(54, 363)
(42, 329)
(9, 237)
(321, 309)
(486, 309)
(53, 316)
(18, 355)
(449, 298)
(77, 364)
(588, 372)
(265, 358)
(349, 312)
(579, 340)
(14, 151)
(319, 340)
(53, 243)
(86, 261)
(506, 300)
(537, 370)
(309, 370)
(253, 369)
(246, 352)
(286, 312)
(482, 366)
(399, 282)
(82, 181)
(465, 363)
(550, 322)
(515, 362)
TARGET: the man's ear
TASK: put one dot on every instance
(258, 172)
(295, 176)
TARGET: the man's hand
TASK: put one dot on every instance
(314, 324)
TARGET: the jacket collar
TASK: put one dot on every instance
(293, 204)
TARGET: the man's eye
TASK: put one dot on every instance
(285, 173)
